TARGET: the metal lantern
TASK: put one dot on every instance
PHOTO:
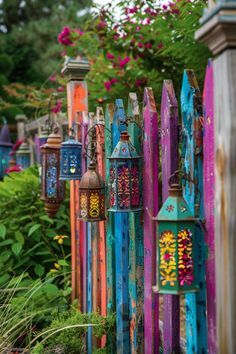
(71, 159)
(92, 196)
(52, 189)
(176, 245)
(5, 148)
(23, 155)
(125, 181)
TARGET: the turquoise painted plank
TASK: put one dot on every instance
(121, 221)
(136, 247)
(191, 107)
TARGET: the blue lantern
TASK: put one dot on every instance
(71, 159)
(23, 155)
(5, 148)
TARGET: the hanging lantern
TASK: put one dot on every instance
(23, 155)
(176, 245)
(52, 189)
(5, 148)
(92, 196)
(71, 159)
(125, 181)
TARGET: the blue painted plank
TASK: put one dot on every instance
(191, 106)
(121, 221)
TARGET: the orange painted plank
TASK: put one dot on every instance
(77, 102)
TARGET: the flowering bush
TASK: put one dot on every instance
(148, 43)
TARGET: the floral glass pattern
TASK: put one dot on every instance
(185, 263)
(167, 258)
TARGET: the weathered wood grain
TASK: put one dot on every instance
(225, 193)
(136, 247)
(169, 148)
(209, 191)
(191, 107)
(150, 201)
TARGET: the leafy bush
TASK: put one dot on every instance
(67, 333)
(27, 233)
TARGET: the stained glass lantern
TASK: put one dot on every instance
(23, 155)
(125, 181)
(92, 196)
(5, 149)
(176, 246)
(71, 159)
(52, 189)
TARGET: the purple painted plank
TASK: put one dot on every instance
(150, 201)
(209, 185)
(169, 146)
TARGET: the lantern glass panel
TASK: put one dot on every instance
(4, 159)
(71, 160)
(23, 160)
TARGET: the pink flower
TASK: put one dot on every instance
(160, 45)
(164, 7)
(16, 146)
(141, 82)
(52, 77)
(116, 36)
(148, 45)
(102, 24)
(110, 56)
(16, 168)
(77, 30)
(175, 11)
(60, 89)
(64, 36)
(57, 107)
(123, 62)
(140, 44)
(107, 85)
(113, 81)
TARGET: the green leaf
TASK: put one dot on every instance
(4, 278)
(3, 231)
(62, 262)
(46, 218)
(6, 243)
(16, 248)
(34, 228)
(51, 289)
(39, 270)
(19, 237)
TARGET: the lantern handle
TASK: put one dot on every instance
(187, 177)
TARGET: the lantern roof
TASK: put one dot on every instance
(23, 149)
(124, 149)
(54, 139)
(5, 139)
(71, 141)
(175, 207)
(91, 179)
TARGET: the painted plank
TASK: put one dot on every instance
(100, 133)
(209, 190)
(121, 223)
(169, 148)
(225, 197)
(110, 238)
(77, 101)
(191, 107)
(136, 247)
(150, 201)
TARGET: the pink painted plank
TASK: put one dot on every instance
(209, 186)
(150, 201)
(169, 146)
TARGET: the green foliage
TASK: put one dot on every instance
(67, 332)
(27, 233)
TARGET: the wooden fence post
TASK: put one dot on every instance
(209, 190)
(77, 101)
(150, 203)
(191, 106)
(121, 224)
(218, 32)
(136, 249)
(169, 145)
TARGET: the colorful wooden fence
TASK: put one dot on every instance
(114, 262)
